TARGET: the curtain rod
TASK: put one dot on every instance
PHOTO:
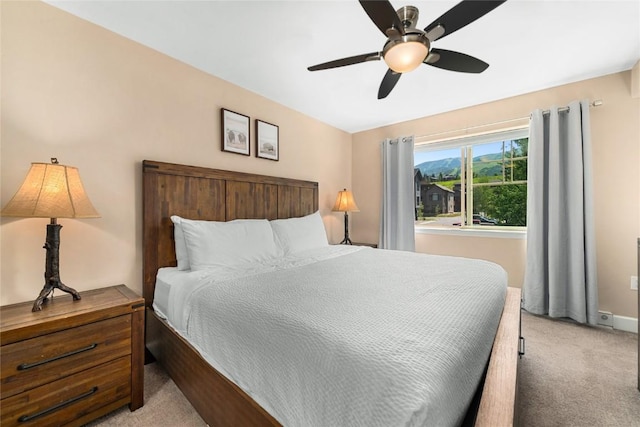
(595, 103)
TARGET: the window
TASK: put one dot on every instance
(482, 178)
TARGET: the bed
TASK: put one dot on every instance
(215, 195)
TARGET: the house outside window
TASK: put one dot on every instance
(474, 181)
(419, 207)
(439, 199)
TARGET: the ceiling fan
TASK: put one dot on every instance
(407, 47)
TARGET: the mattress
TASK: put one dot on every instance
(165, 279)
(344, 336)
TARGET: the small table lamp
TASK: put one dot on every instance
(346, 204)
(51, 190)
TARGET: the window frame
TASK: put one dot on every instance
(465, 143)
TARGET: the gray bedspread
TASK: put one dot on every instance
(363, 337)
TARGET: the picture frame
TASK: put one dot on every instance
(236, 135)
(267, 140)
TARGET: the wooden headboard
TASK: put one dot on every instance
(209, 194)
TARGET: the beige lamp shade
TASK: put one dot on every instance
(51, 190)
(345, 202)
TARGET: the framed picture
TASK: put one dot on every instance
(267, 144)
(235, 132)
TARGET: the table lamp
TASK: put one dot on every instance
(54, 191)
(345, 203)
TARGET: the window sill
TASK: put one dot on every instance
(493, 232)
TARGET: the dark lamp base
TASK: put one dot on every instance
(346, 240)
(48, 289)
(52, 267)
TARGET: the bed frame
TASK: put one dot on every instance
(217, 195)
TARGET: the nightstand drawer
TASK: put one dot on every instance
(30, 363)
(71, 398)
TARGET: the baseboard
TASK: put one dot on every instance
(624, 323)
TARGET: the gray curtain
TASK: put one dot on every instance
(560, 274)
(397, 215)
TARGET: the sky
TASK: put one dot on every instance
(478, 150)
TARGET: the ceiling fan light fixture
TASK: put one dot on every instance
(406, 53)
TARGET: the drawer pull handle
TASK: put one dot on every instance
(24, 366)
(25, 418)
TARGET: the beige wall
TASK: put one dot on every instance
(102, 103)
(615, 130)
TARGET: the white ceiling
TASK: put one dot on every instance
(266, 47)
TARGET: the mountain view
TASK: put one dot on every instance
(485, 165)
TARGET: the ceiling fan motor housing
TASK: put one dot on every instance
(408, 16)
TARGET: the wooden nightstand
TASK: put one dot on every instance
(74, 361)
(371, 245)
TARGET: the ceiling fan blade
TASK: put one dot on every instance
(383, 15)
(463, 14)
(388, 83)
(455, 61)
(373, 56)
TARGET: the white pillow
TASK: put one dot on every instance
(299, 234)
(180, 245)
(233, 243)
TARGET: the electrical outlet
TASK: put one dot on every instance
(605, 318)
(634, 283)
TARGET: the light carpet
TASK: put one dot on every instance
(577, 375)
